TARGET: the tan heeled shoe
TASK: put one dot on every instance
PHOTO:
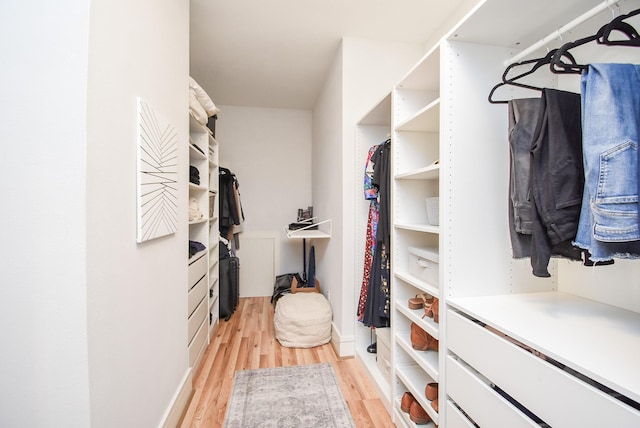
(433, 310)
(420, 301)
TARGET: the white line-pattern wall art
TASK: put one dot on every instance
(157, 175)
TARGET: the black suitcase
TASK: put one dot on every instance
(229, 286)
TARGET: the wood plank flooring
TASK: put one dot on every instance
(247, 341)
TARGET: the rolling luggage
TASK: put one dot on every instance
(229, 286)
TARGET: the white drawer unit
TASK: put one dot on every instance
(455, 417)
(196, 318)
(474, 394)
(196, 294)
(556, 396)
(197, 269)
(197, 344)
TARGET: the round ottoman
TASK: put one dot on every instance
(303, 320)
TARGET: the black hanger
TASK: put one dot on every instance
(558, 66)
(537, 63)
(618, 24)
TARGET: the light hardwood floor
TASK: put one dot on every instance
(247, 341)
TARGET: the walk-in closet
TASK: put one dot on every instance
(469, 170)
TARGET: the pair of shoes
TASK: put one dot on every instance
(373, 348)
(421, 340)
(431, 391)
(418, 415)
(420, 301)
(433, 310)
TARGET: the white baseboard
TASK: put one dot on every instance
(344, 346)
(179, 402)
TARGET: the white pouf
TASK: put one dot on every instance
(303, 320)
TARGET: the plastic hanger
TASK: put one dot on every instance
(618, 24)
(537, 63)
(558, 66)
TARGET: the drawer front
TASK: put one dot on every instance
(554, 395)
(196, 294)
(197, 344)
(197, 270)
(455, 418)
(486, 407)
(196, 319)
(383, 360)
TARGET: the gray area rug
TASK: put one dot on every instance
(286, 397)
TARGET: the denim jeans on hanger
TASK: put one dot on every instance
(610, 124)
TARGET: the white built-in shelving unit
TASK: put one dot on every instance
(202, 285)
(514, 349)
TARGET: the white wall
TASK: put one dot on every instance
(136, 293)
(43, 363)
(94, 326)
(362, 73)
(269, 150)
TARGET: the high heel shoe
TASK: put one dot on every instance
(421, 340)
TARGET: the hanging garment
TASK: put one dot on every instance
(377, 309)
(523, 119)
(557, 179)
(382, 179)
(371, 194)
(377, 303)
(608, 225)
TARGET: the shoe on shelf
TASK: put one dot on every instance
(418, 415)
(434, 405)
(432, 310)
(407, 400)
(431, 391)
(420, 301)
(373, 348)
(421, 340)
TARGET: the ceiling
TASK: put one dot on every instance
(277, 53)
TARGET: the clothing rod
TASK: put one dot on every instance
(558, 33)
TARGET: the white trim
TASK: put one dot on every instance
(344, 346)
(179, 402)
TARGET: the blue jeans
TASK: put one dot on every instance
(608, 225)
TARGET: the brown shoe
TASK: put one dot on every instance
(420, 301)
(432, 310)
(434, 405)
(418, 415)
(421, 340)
(431, 391)
(407, 400)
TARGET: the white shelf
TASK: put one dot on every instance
(307, 233)
(422, 285)
(428, 228)
(415, 379)
(598, 340)
(427, 360)
(431, 172)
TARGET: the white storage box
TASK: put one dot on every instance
(423, 264)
